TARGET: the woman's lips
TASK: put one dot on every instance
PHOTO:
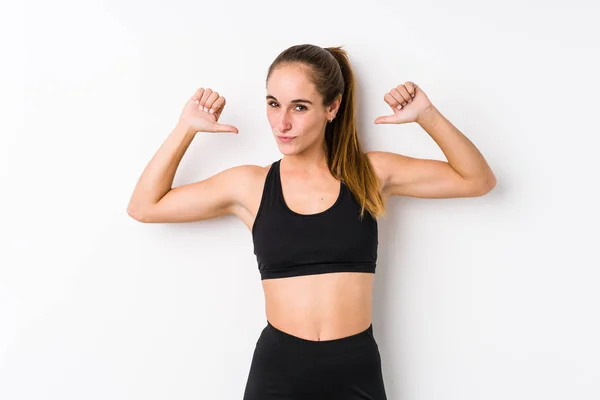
(286, 139)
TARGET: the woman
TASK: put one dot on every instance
(313, 216)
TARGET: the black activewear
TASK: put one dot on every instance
(290, 244)
(286, 367)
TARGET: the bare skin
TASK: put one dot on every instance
(317, 307)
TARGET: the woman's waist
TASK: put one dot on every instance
(320, 307)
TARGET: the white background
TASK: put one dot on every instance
(483, 298)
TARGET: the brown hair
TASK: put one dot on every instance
(332, 75)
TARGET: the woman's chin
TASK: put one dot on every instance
(287, 149)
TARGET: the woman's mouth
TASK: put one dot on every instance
(285, 139)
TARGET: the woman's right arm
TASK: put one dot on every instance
(154, 199)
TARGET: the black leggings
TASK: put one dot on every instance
(287, 367)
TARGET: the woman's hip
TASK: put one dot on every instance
(289, 367)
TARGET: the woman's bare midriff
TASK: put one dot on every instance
(320, 307)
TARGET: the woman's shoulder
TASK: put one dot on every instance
(249, 181)
(250, 175)
(252, 171)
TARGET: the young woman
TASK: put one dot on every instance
(313, 216)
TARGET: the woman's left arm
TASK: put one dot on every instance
(465, 174)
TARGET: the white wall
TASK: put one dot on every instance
(484, 298)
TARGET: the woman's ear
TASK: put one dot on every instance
(335, 106)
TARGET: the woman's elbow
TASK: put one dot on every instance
(485, 186)
(137, 213)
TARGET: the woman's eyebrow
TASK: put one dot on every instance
(269, 97)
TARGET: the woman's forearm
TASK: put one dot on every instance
(460, 152)
(157, 178)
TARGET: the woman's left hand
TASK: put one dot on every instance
(407, 101)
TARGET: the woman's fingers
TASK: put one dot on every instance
(205, 95)
(210, 101)
(218, 105)
(392, 100)
(401, 95)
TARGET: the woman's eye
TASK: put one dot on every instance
(298, 107)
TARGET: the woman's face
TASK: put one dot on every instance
(295, 110)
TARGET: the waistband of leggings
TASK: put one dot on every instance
(344, 344)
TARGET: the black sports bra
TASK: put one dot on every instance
(290, 244)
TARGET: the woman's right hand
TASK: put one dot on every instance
(202, 111)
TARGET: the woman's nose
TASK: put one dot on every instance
(285, 123)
